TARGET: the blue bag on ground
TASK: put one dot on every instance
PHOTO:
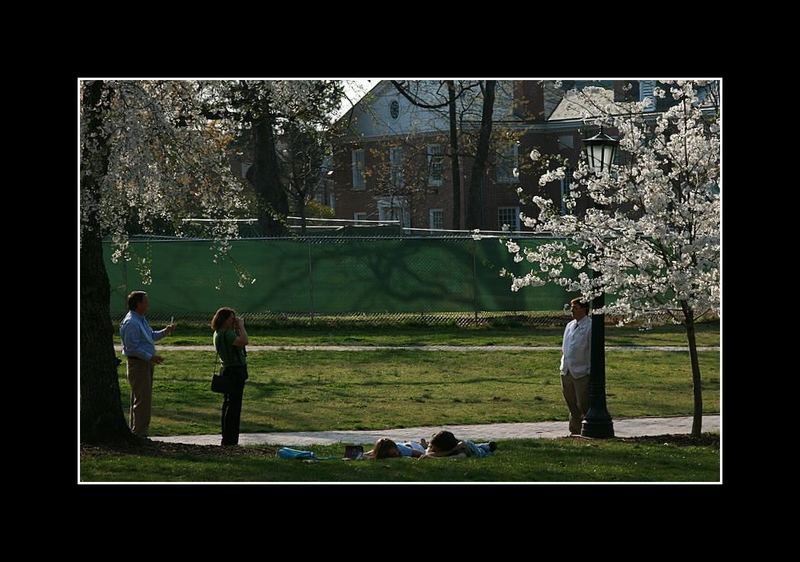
(287, 453)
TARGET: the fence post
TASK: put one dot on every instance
(475, 279)
(125, 281)
(310, 280)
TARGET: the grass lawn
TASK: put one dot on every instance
(314, 390)
(647, 459)
(707, 335)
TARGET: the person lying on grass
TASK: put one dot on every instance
(385, 448)
(444, 444)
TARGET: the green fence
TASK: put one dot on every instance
(323, 276)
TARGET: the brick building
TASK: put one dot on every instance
(393, 163)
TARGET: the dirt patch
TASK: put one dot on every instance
(162, 449)
(678, 440)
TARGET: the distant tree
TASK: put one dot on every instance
(302, 158)
(474, 201)
(265, 111)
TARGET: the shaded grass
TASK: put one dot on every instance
(707, 335)
(661, 459)
(314, 390)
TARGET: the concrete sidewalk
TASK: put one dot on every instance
(632, 427)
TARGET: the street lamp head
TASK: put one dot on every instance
(600, 151)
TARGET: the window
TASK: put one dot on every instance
(396, 166)
(509, 216)
(394, 209)
(435, 165)
(394, 109)
(436, 219)
(506, 164)
(359, 216)
(566, 141)
(358, 168)
(565, 184)
(647, 95)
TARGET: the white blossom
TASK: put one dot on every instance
(161, 160)
(652, 227)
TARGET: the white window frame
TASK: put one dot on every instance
(431, 221)
(360, 216)
(396, 166)
(566, 182)
(386, 206)
(510, 153)
(500, 222)
(435, 152)
(357, 164)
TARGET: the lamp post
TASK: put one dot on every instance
(600, 151)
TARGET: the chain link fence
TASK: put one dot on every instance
(336, 282)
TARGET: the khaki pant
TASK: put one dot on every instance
(140, 377)
(576, 393)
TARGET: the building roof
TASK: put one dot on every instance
(577, 105)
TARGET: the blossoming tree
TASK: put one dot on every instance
(651, 234)
(149, 157)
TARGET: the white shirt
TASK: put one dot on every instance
(576, 351)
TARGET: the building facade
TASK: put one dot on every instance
(393, 158)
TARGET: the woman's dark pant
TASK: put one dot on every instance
(232, 406)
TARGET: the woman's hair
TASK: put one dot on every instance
(443, 442)
(383, 448)
(220, 316)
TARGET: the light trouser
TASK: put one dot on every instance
(576, 393)
(140, 377)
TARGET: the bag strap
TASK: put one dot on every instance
(216, 354)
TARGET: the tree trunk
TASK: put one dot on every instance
(101, 416)
(475, 200)
(266, 178)
(301, 207)
(455, 169)
(697, 421)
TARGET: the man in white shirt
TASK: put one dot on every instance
(576, 364)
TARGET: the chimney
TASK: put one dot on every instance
(528, 101)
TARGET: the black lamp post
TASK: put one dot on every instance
(600, 151)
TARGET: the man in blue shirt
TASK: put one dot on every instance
(138, 345)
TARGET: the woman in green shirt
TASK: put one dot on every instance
(230, 337)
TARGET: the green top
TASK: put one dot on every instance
(229, 354)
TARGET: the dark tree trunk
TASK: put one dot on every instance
(101, 415)
(266, 178)
(455, 169)
(697, 420)
(475, 199)
(301, 208)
